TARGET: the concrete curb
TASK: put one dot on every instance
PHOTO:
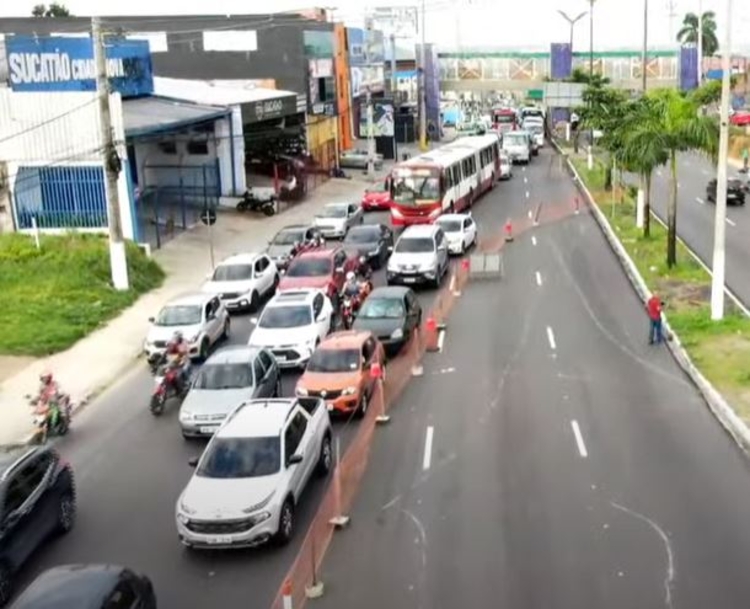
(723, 412)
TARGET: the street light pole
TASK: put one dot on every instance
(590, 155)
(644, 54)
(572, 22)
(719, 257)
(700, 42)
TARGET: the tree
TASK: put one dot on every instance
(708, 93)
(670, 125)
(581, 76)
(55, 9)
(688, 33)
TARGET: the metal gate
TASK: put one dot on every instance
(172, 198)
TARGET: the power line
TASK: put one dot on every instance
(48, 121)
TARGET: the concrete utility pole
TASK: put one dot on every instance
(422, 91)
(368, 101)
(394, 94)
(590, 155)
(111, 161)
(700, 42)
(572, 23)
(644, 53)
(720, 226)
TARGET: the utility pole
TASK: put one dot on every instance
(644, 54)
(394, 94)
(368, 101)
(422, 91)
(111, 161)
(719, 257)
(700, 42)
(590, 155)
(672, 13)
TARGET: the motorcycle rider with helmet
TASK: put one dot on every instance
(47, 402)
(177, 355)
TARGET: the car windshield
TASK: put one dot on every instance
(333, 211)
(382, 308)
(285, 317)
(224, 376)
(334, 360)
(233, 272)
(241, 458)
(177, 315)
(515, 139)
(381, 187)
(734, 183)
(288, 237)
(450, 226)
(362, 235)
(310, 267)
(412, 245)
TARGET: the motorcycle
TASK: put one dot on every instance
(167, 384)
(364, 270)
(347, 311)
(250, 202)
(43, 417)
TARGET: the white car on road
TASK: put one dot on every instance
(335, 219)
(506, 166)
(249, 480)
(516, 144)
(243, 280)
(201, 318)
(460, 231)
(292, 324)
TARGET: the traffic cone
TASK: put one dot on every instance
(431, 335)
(286, 593)
(509, 231)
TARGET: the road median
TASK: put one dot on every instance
(715, 355)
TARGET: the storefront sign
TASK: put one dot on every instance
(269, 109)
(324, 109)
(67, 64)
(382, 120)
(321, 68)
(362, 78)
(356, 39)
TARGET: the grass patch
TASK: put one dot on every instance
(52, 297)
(721, 350)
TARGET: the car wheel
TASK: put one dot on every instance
(6, 583)
(205, 348)
(325, 462)
(286, 523)
(364, 404)
(254, 301)
(66, 513)
(225, 332)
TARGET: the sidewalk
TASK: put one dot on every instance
(96, 361)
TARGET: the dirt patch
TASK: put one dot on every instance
(12, 364)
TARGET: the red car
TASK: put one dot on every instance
(377, 196)
(321, 269)
(741, 118)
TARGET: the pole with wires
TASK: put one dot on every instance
(422, 91)
(111, 161)
(644, 51)
(699, 42)
(590, 154)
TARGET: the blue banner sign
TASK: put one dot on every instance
(67, 64)
(356, 40)
(688, 68)
(561, 61)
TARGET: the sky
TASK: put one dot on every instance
(516, 24)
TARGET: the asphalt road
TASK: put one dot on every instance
(695, 219)
(131, 467)
(569, 464)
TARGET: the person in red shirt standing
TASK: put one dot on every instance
(653, 308)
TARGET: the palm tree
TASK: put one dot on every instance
(671, 125)
(688, 33)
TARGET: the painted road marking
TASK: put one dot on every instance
(533, 238)
(525, 180)
(452, 287)
(730, 222)
(441, 340)
(427, 459)
(531, 214)
(538, 278)
(551, 338)
(699, 200)
(528, 194)
(579, 439)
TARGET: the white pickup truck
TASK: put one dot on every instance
(251, 475)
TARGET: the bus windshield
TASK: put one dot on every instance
(416, 186)
(504, 119)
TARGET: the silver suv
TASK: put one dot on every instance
(420, 256)
(252, 474)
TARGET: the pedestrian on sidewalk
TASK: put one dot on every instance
(745, 159)
(654, 308)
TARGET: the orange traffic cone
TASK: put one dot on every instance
(431, 335)
(509, 230)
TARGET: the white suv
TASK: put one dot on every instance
(242, 280)
(252, 473)
(292, 324)
(420, 256)
(201, 318)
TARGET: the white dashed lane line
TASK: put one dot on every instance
(551, 338)
(579, 439)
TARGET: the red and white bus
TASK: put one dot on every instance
(444, 180)
(504, 120)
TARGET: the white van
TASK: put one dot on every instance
(517, 145)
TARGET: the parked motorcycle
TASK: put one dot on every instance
(250, 202)
(167, 384)
(43, 423)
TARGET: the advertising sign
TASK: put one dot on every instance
(688, 68)
(269, 109)
(561, 61)
(382, 120)
(356, 39)
(67, 64)
(367, 76)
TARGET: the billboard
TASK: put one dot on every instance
(356, 39)
(67, 64)
(561, 60)
(382, 119)
(688, 68)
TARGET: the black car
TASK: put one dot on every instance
(735, 191)
(37, 501)
(302, 236)
(88, 587)
(373, 241)
(392, 314)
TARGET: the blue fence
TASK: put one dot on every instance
(60, 197)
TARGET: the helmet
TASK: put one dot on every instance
(46, 377)
(350, 276)
(178, 337)
(362, 259)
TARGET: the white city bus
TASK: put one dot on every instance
(447, 179)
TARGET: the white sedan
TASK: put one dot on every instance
(460, 231)
(335, 219)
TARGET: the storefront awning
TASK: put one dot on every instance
(151, 115)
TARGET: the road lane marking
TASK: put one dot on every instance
(427, 459)
(528, 194)
(730, 222)
(533, 238)
(699, 200)
(441, 341)
(531, 214)
(551, 338)
(525, 180)
(579, 439)
(452, 287)
(538, 278)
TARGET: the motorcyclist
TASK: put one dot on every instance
(363, 268)
(178, 356)
(47, 402)
(352, 287)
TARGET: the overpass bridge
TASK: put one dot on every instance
(523, 71)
